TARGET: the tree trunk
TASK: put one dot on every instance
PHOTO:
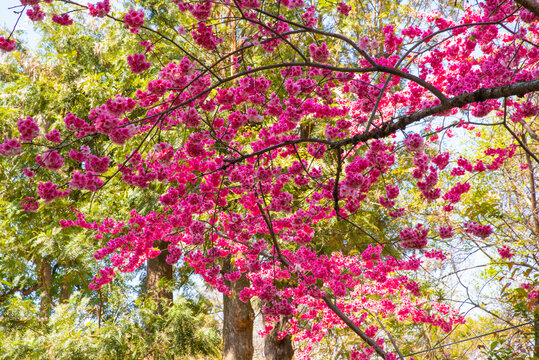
(66, 289)
(238, 321)
(45, 282)
(275, 349)
(158, 269)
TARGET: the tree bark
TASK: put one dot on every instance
(65, 291)
(238, 321)
(45, 282)
(275, 349)
(531, 5)
(158, 269)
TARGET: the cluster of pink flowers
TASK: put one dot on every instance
(292, 4)
(414, 238)
(344, 9)
(438, 255)
(88, 181)
(48, 191)
(137, 63)
(120, 105)
(446, 232)
(28, 129)
(134, 20)
(532, 293)
(482, 231)
(249, 4)
(105, 276)
(64, 19)
(97, 165)
(50, 159)
(392, 42)
(7, 44)
(31, 2)
(35, 13)
(505, 252)
(454, 194)
(10, 147)
(205, 37)
(100, 9)
(319, 53)
(201, 11)
(414, 143)
(74, 123)
(54, 136)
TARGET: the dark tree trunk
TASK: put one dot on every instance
(66, 289)
(238, 321)
(45, 284)
(65, 292)
(158, 269)
(275, 349)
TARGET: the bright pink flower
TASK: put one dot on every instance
(74, 123)
(414, 239)
(28, 129)
(120, 135)
(482, 231)
(105, 276)
(201, 11)
(454, 195)
(397, 213)
(414, 143)
(28, 172)
(446, 232)
(120, 105)
(134, 20)
(10, 147)
(344, 9)
(77, 156)
(35, 13)
(319, 53)
(54, 136)
(249, 4)
(505, 252)
(97, 165)
(163, 152)
(388, 204)
(7, 44)
(64, 19)
(50, 159)
(438, 255)
(49, 191)
(392, 191)
(137, 63)
(205, 37)
(100, 9)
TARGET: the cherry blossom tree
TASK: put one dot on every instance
(264, 124)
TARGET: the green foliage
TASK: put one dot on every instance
(74, 332)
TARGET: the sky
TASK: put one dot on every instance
(8, 19)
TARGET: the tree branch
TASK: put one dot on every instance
(530, 5)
